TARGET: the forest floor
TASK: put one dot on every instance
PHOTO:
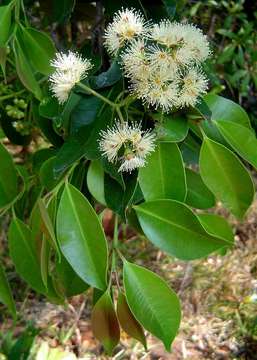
(219, 320)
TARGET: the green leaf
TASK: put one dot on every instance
(217, 226)
(127, 320)
(45, 259)
(223, 109)
(175, 229)
(40, 48)
(5, 293)
(163, 177)
(49, 107)
(5, 22)
(203, 109)
(152, 302)
(81, 237)
(24, 255)
(227, 53)
(226, 177)
(3, 59)
(47, 175)
(47, 226)
(107, 78)
(68, 282)
(61, 11)
(95, 181)
(242, 140)
(170, 6)
(190, 149)
(171, 129)
(8, 178)
(105, 323)
(25, 71)
(198, 195)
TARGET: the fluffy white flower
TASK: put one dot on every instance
(194, 84)
(127, 144)
(69, 69)
(163, 69)
(126, 25)
(131, 163)
(187, 42)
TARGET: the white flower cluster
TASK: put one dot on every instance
(161, 61)
(127, 144)
(127, 24)
(69, 70)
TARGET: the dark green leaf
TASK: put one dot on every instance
(47, 176)
(69, 283)
(198, 195)
(223, 109)
(95, 180)
(47, 226)
(152, 302)
(24, 255)
(81, 237)
(241, 139)
(217, 226)
(40, 48)
(61, 11)
(226, 177)
(172, 129)
(174, 228)
(5, 22)
(163, 177)
(8, 178)
(5, 293)
(105, 323)
(107, 78)
(25, 71)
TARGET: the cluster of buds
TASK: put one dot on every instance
(16, 111)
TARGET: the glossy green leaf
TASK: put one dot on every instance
(227, 178)
(242, 140)
(8, 178)
(223, 109)
(163, 177)
(24, 255)
(190, 149)
(40, 48)
(6, 297)
(25, 71)
(105, 323)
(81, 237)
(175, 229)
(217, 226)
(127, 320)
(152, 302)
(47, 175)
(107, 78)
(171, 129)
(203, 109)
(5, 22)
(95, 181)
(198, 195)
